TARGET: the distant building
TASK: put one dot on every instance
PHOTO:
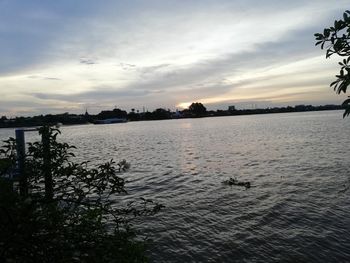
(231, 108)
(176, 114)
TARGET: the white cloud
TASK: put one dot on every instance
(131, 55)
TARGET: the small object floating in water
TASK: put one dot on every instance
(233, 181)
(58, 125)
(123, 165)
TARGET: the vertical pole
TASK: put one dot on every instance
(20, 148)
(47, 163)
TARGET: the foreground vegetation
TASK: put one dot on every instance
(336, 40)
(62, 211)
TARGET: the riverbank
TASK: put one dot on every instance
(158, 114)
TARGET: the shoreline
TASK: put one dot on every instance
(223, 114)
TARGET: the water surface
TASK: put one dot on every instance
(297, 163)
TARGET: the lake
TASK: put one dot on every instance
(298, 208)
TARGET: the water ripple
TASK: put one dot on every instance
(294, 212)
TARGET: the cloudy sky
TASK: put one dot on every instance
(59, 56)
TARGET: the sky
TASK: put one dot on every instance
(69, 56)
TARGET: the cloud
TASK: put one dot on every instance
(51, 78)
(162, 52)
(42, 78)
(99, 93)
(127, 66)
(87, 61)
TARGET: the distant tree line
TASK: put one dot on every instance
(195, 110)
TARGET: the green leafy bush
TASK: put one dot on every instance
(68, 211)
(336, 40)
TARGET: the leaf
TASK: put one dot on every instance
(346, 102)
(329, 53)
(334, 82)
(335, 24)
(347, 111)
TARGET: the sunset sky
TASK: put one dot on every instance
(66, 56)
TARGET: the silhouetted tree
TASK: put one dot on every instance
(197, 109)
(161, 114)
(132, 116)
(116, 113)
(336, 40)
(147, 115)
